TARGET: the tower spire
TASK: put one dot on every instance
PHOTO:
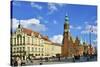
(19, 25)
(66, 24)
(65, 42)
(66, 14)
(19, 22)
(66, 18)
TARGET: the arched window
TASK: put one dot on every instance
(24, 40)
(19, 39)
(32, 40)
(14, 41)
(28, 40)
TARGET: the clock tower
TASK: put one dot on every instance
(66, 24)
(65, 46)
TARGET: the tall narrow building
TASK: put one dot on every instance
(66, 36)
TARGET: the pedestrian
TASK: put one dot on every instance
(15, 63)
(19, 61)
(41, 61)
(73, 58)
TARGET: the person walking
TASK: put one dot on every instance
(15, 62)
(18, 61)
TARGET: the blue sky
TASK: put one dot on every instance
(49, 18)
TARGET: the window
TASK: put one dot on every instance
(17, 49)
(39, 49)
(19, 30)
(42, 54)
(35, 54)
(32, 48)
(37, 42)
(35, 49)
(32, 40)
(28, 40)
(14, 50)
(28, 48)
(14, 41)
(19, 39)
(20, 49)
(24, 40)
(40, 42)
(42, 49)
(23, 48)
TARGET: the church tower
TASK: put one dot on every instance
(65, 42)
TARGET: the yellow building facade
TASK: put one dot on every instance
(26, 43)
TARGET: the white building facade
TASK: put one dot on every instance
(26, 43)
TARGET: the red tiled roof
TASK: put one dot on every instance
(27, 31)
(45, 38)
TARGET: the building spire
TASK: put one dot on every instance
(66, 14)
(66, 18)
(66, 24)
(19, 25)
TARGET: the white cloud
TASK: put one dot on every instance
(87, 23)
(55, 22)
(33, 24)
(61, 4)
(96, 22)
(14, 23)
(45, 21)
(75, 27)
(71, 27)
(90, 28)
(84, 32)
(34, 5)
(95, 42)
(40, 17)
(30, 21)
(52, 8)
(16, 3)
(57, 38)
(79, 27)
